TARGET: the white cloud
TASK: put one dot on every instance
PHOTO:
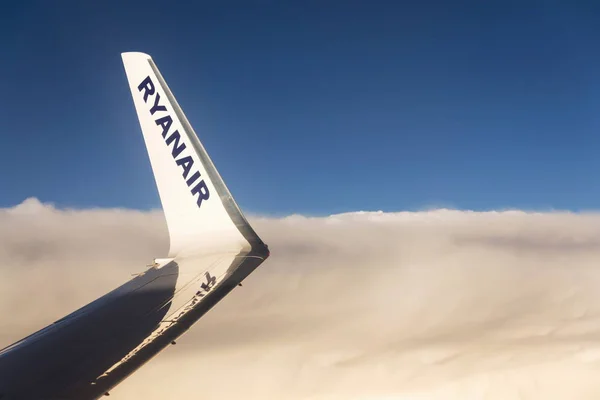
(438, 304)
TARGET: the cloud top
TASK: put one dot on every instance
(438, 304)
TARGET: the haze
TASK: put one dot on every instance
(438, 304)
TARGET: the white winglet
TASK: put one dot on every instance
(201, 215)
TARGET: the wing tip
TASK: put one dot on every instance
(135, 54)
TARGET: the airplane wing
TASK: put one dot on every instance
(212, 249)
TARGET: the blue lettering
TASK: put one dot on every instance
(148, 87)
(177, 149)
(156, 107)
(186, 163)
(202, 190)
(177, 142)
(193, 178)
(165, 123)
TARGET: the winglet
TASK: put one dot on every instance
(201, 214)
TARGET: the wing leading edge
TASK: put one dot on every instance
(212, 249)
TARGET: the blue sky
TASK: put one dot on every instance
(311, 107)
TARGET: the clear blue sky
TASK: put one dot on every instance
(312, 107)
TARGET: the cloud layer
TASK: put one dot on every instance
(437, 304)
